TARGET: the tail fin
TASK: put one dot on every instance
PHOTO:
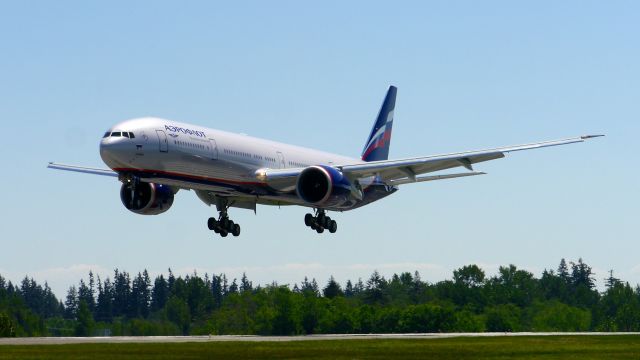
(377, 146)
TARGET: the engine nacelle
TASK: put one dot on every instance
(147, 198)
(326, 186)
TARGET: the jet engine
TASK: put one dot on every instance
(146, 198)
(326, 186)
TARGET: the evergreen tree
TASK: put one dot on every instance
(245, 284)
(348, 289)
(332, 289)
(160, 293)
(140, 296)
(359, 287)
(85, 324)
(171, 281)
(233, 288)
(104, 305)
(310, 288)
(583, 285)
(33, 295)
(121, 293)
(216, 290)
(376, 285)
(71, 304)
(611, 281)
(51, 304)
(225, 285)
(85, 293)
(581, 274)
(563, 271)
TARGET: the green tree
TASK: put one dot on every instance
(332, 289)
(556, 316)
(178, 312)
(427, 318)
(159, 293)
(467, 321)
(504, 318)
(375, 290)
(85, 323)
(467, 287)
(71, 304)
(7, 329)
(471, 276)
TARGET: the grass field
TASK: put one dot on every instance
(534, 347)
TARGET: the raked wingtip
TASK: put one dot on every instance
(585, 137)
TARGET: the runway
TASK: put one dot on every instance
(254, 338)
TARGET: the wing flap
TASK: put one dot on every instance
(434, 177)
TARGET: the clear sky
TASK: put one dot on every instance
(470, 75)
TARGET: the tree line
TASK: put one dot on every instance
(565, 299)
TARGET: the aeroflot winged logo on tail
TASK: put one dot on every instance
(184, 131)
(380, 138)
(377, 146)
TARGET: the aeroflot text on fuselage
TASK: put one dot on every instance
(184, 131)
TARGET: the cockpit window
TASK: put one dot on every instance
(125, 134)
(115, 134)
(131, 135)
(107, 134)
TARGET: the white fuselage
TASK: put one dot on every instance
(193, 157)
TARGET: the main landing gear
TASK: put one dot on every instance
(320, 222)
(223, 225)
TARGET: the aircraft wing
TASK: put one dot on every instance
(404, 171)
(86, 170)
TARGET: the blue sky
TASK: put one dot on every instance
(470, 75)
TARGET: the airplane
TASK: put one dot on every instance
(154, 158)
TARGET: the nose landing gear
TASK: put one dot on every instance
(320, 222)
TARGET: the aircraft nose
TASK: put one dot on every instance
(113, 151)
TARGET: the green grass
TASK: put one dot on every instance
(533, 347)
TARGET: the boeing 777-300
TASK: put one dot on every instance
(155, 158)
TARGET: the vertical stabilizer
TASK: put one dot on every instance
(377, 146)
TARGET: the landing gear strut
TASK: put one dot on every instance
(223, 225)
(320, 222)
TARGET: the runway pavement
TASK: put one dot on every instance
(220, 338)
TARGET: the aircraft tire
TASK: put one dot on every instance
(211, 223)
(236, 230)
(319, 229)
(224, 233)
(308, 220)
(333, 226)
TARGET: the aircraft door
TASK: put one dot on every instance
(213, 149)
(281, 162)
(162, 138)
